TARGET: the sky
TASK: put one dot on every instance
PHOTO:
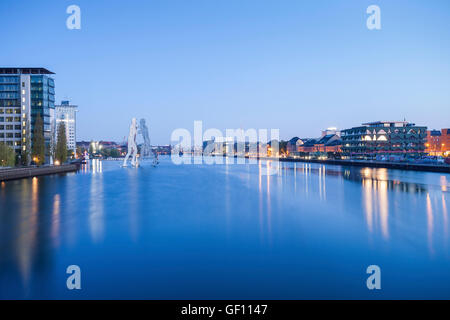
(293, 65)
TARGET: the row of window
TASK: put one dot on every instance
(9, 95)
(10, 127)
(38, 89)
(10, 111)
(10, 135)
(10, 103)
(9, 119)
(43, 80)
(9, 79)
(42, 103)
(9, 87)
(389, 131)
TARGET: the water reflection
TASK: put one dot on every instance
(430, 224)
(302, 212)
(444, 183)
(96, 201)
(376, 205)
(93, 166)
(359, 175)
(381, 194)
(56, 219)
(28, 229)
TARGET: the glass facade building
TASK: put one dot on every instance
(25, 93)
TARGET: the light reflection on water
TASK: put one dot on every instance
(237, 219)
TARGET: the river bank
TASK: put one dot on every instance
(375, 164)
(29, 172)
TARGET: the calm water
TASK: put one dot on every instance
(226, 231)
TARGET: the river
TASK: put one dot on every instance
(226, 231)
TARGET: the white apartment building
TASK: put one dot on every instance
(67, 113)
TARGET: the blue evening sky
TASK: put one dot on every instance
(299, 66)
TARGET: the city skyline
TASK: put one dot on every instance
(297, 67)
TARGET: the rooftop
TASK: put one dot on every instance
(24, 71)
(391, 123)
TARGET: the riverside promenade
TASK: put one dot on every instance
(443, 168)
(378, 164)
(29, 172)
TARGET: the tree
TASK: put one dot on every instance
(61, 144)
(7, 155)
(115, 153)
(283, 147)
(38, 141)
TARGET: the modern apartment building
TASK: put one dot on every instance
(67, 114)
(25, 93)
(384, 139)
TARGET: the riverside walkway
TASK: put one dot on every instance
(29, 172)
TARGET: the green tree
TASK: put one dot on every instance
(38, 153)
(115, 153)
(7, 155)
(61, 144)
